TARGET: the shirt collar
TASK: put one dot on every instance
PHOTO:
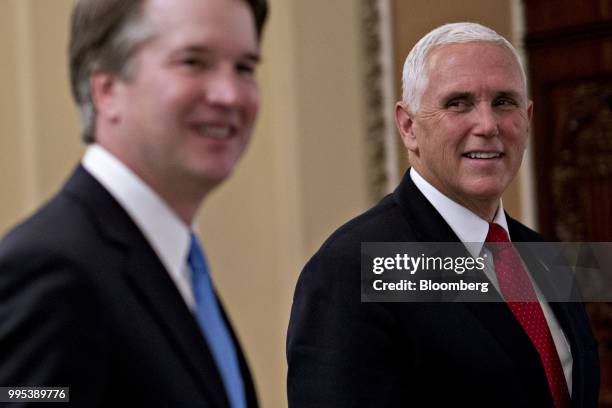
(165, 232)
(468, 226)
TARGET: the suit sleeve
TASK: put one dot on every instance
(341, 352)
(50, 329)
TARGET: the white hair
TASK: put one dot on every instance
(414, 76)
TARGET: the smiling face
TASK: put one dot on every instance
(470, 133)
(183, 117)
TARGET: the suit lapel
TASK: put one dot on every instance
(249, 387)
(575, 324)
(151, 283)
(571, 316)
(157, 291)
(181, 325)
(427, 223)
(496, 317)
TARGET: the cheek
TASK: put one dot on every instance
(178, 92)
(454, 128)
(251, 103)
(182, 97)
(517, 134)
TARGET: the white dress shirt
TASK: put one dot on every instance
(473, 230)
(166, 233)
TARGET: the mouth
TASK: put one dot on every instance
(215, 131)
(483, 155)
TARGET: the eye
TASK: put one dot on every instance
(246, 69)
(460, 104)
(193, 62)
(505, 103)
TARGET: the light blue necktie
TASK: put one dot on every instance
(215, 330)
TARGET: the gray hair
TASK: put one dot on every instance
(414, 76)
(104, 36)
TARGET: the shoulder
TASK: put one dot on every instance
(57, 229)
(53, 252)
(59, 249)
(47, 287)
(521, 233)
(383, 222)
(58, 253)
(340, 254)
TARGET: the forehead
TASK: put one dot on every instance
(228, 22)
(474, 64)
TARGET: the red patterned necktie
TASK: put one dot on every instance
(515, 285)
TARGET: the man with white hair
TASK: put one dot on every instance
(464, 120)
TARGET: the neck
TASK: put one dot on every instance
(484, 207)
(184, 198)
(485, 210)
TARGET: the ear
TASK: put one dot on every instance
(103, 87)
(405, 125)
(529, 111)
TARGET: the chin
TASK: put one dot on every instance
(486, 190)
(214, 177)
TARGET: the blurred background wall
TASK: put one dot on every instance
(305, 173)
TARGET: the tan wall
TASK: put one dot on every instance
(11, 169)
(39, 131)
(303, 175)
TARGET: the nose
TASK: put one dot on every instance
(223, 90)
(487, 124)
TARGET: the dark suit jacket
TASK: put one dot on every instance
(344, 353)
(85, 302)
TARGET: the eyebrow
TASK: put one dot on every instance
(197, 49)
(467, 95)
(458, 95)
(509, 94)
(254, 57)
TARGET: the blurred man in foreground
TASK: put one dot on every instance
(106, 289)
(464, 120)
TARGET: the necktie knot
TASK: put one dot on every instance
(497, 233)
(196, 259)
